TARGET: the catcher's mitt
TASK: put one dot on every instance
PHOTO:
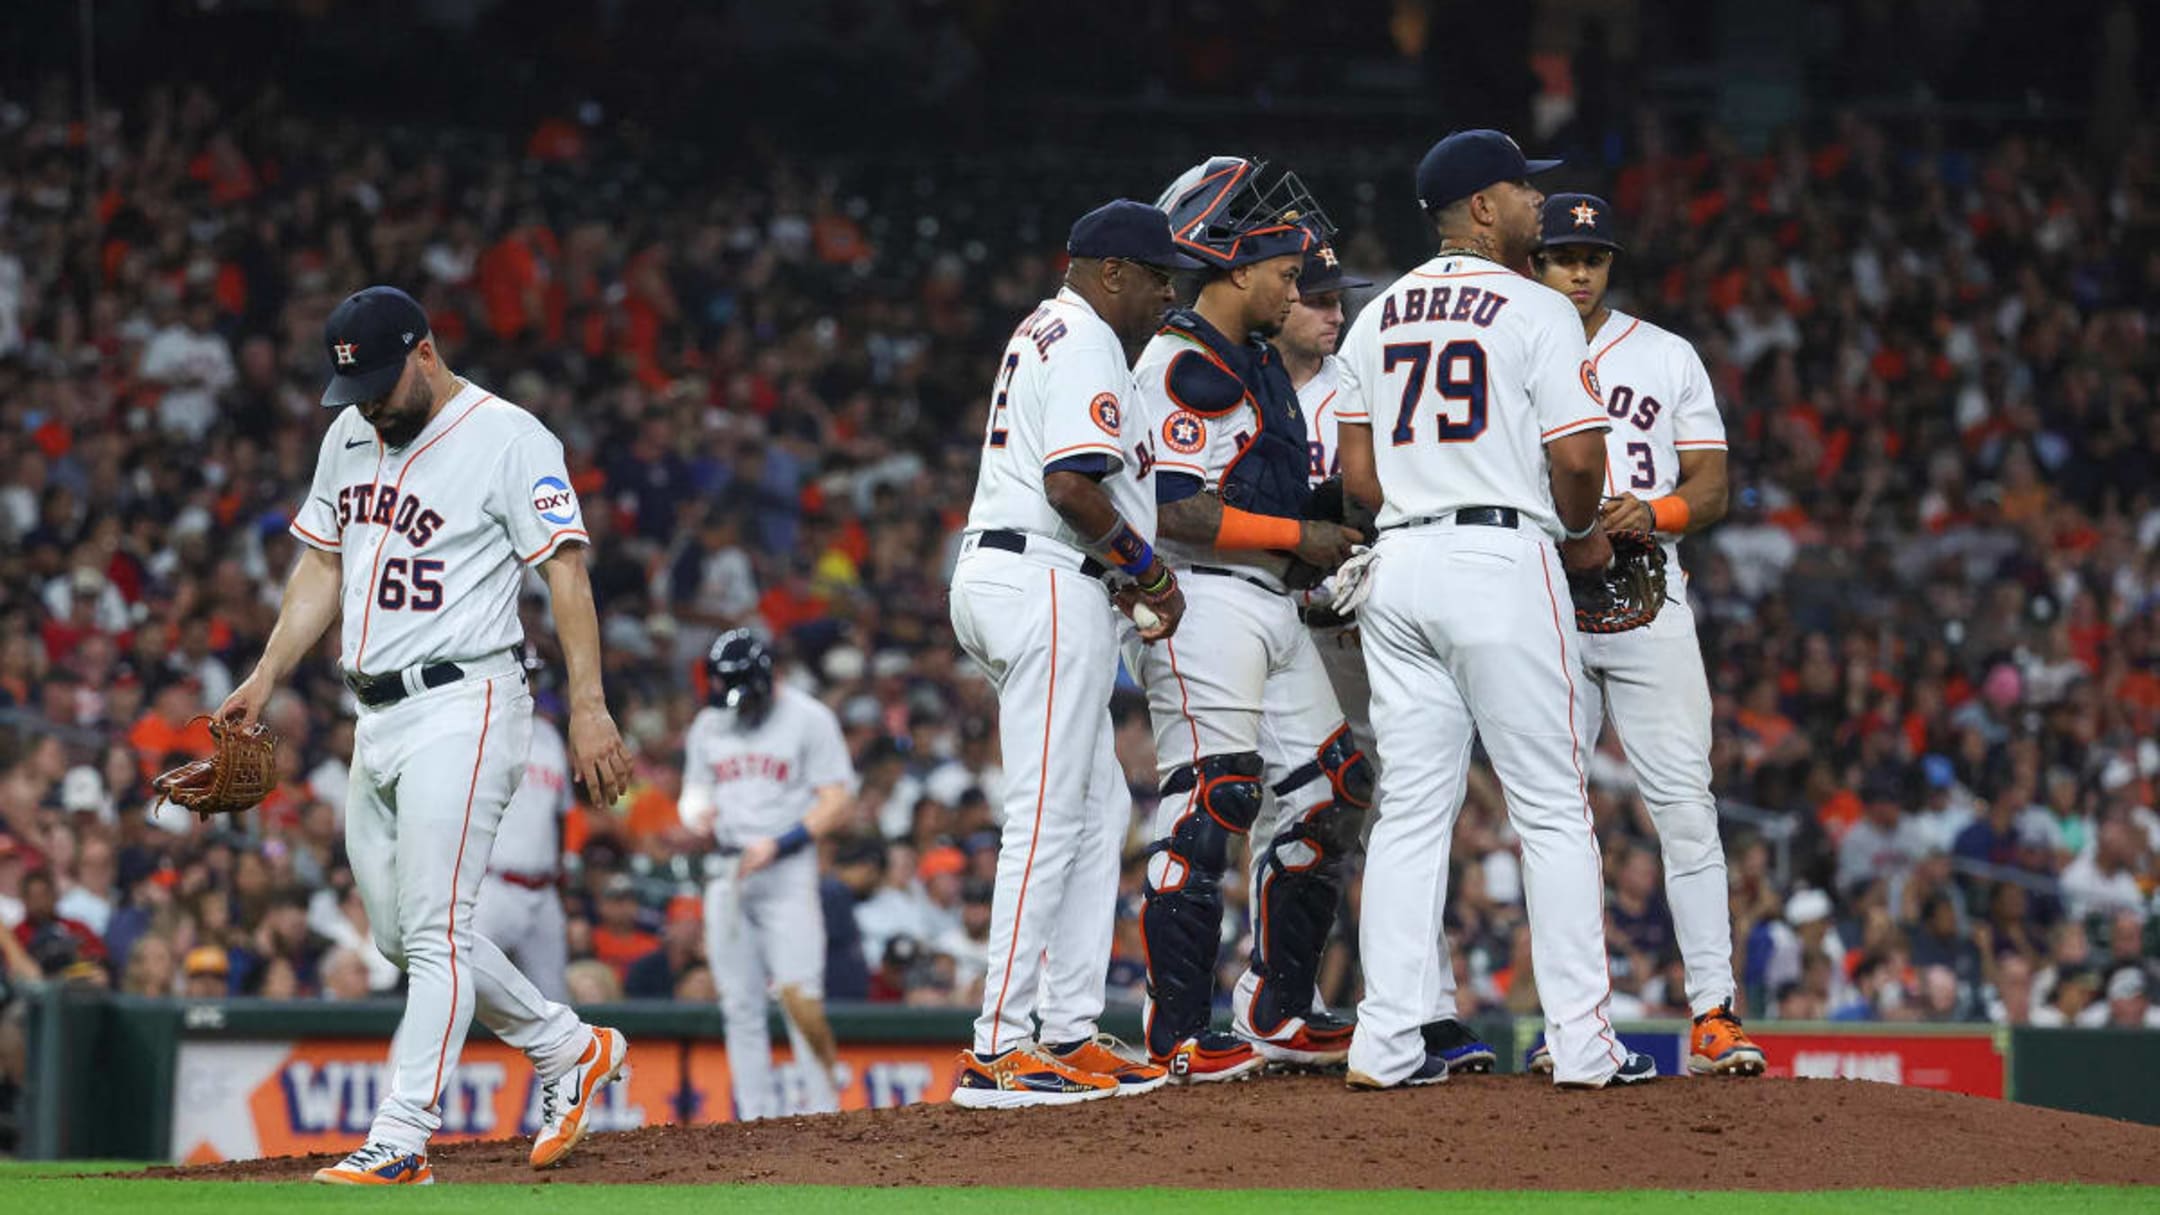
(240, 773)
(1629, 593)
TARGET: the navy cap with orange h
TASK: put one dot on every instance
(367, 338)
(1578, 219)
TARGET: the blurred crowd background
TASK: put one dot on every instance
(1929, 622)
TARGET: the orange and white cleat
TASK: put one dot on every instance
(567, 1099)
(1022, 1076)
(1106, 1056)
(378, 1164)
(1209, 1057)
(1719, 1046)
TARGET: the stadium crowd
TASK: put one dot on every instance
(1929, 621)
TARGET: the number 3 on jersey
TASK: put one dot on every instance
(1458, 376)
(997, 403)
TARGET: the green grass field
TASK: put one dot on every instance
(52, 1187)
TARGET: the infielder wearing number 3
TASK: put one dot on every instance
(431, 498)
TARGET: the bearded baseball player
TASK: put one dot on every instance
(1308, 341)
(1247, 707)
(1664, 472)
(1063, 505)
(520, 905)
(767, 774)
(431, 498)
(1494, 452)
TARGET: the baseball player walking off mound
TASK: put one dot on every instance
(766, 771)
(1493, 451)
(1664, 472)
(1063, 501)
(1249, 701)
(431, 498)
(1308, 341)
(520, 907)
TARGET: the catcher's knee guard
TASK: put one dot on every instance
(1300, 881)
(1181, 918)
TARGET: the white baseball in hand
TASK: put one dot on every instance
(1145, 619)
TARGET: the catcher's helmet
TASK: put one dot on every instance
(739, 674)
(1221, 216)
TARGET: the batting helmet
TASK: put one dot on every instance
(1222, 217)
(739, 672)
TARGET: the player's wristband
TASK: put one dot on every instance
(1244, 529)
(1126, 549)
(1670, 513)
(1575, 535)
(1160, 584)
(791, 841)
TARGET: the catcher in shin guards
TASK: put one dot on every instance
(1233, 521)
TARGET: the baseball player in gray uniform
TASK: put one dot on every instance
(766, 771)
(520, 906)
(431, 498)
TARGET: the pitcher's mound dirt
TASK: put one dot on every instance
(1309, 1132)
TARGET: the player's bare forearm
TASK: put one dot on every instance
(833, 805)
(1195, 519)
(1705, 487)
(310, 604)
(1578, 476)
(1081, 502)
(577, 624)
(1360, 474)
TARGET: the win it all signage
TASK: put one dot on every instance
(244, 1100)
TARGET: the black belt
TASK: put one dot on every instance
(1474, 516)
(1017, 542)
(375, 691)
(1216, 571)
(1321, 616)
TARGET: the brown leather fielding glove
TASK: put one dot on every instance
(1629, 593)
(237, 776)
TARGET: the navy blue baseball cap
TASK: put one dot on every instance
(1579, 219)
(1468, 161)
(1129, 231)
(368, 337)
(1323, 272)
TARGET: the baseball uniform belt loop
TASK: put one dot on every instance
(1216, 571)
(1474, 516)
(1017, 542)
(525, 881)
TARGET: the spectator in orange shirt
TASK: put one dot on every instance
(173, 724)
(619, 938)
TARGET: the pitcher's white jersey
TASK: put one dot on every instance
(1661, 404)
(1318, 398)
(1063, 389)
(760, 780)
(1465, 370)
(434, 536)
(529, 841)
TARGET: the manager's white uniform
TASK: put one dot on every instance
(1045, 634)
(1465, 370)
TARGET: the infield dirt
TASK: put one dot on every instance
(1309, 1132)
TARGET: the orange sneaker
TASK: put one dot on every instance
(378, 1164)
(1106, 1056)
(1719, 1045)
(1024, 1076)
(567, 1099)
(1209, 1057)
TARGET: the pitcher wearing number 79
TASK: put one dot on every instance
(431, 498)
